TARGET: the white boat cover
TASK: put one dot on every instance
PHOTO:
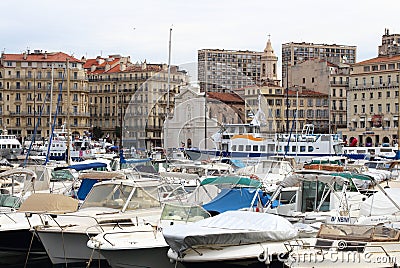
(310, 175)
(229, 228)
(379, 204)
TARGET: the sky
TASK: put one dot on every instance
(140, 29)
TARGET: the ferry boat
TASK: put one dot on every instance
(245, 141)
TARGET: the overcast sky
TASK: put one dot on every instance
(140, 29)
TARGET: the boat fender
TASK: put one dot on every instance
(263, 257)
(254, 177)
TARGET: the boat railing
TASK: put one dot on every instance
(154, 231)
(343, 245)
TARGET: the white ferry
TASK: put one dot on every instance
(246, 141)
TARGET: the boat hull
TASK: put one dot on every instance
(68, 247)
(144, 257)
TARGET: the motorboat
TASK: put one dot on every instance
(110, 204)
(144, 245)
(16, 238)
(238, 238)
(352, 245)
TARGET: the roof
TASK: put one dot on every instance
(379, 60)
(40, 57)
(225, 97)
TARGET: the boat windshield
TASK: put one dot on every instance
(183, 213)
(116, 195)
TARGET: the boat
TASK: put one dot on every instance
(236, 238)
(144, 246)
(110, 204)
(244, 141)
(368, 152)
(10, 146)
(16, 238)
(347, 244)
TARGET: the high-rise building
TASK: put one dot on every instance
(222, 70)
(34, 88)
(294, 53)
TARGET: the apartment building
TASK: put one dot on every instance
(132, 97)
(373, 97)
(221, 70)
(43, 89)
(294, 53)
(326, 77)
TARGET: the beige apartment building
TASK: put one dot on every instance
(43, 89)
(326, 77)
(133, 97)
(373, 98)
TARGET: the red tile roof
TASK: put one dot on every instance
(225, 97)
(41, 57)
(379, 60)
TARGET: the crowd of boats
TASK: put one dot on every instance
(297, 202)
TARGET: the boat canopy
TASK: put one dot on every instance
(325, 177)
(229, 228)
(49, 203)
(235, 199)
(239, 181)
(379, 203)
(79, 167)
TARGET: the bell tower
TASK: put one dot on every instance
(269, 63)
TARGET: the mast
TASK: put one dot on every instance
(168, 92)
(51, 96)
(68, 124)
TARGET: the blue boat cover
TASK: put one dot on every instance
(84, 189)
(235, 199)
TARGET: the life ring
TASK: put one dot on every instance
(87, 151)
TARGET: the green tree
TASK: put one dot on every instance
(97, 133)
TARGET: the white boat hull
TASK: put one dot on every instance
(68, 247)
(144, 257)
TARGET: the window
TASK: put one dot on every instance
(355, 96)
(367, 68)
(248, 148)
(380, 80)
(18, 96)
(18, 85)
(255, 148)
(363, 96)
(383, 67)
(75, 98)
(374, 67)
(372, 81)
(371, 108)
(387, 94)
(371, 95)
(363, 108)
(364, 81)
(75, 109)
(388, 107)
(356, 81)
(379, 108)
(355, 109)
(310, 148)
(17, 109)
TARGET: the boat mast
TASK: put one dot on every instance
(51, 96)
(168, 92)
(68, 125)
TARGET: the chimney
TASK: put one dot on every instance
(24, 55)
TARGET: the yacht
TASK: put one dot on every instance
(10, 146)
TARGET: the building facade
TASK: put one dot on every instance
(133, 98)
(226, 70)
(373, 101)
(329, 78)
(41, 89)
(294, 53)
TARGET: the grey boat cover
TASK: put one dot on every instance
(230, 228)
